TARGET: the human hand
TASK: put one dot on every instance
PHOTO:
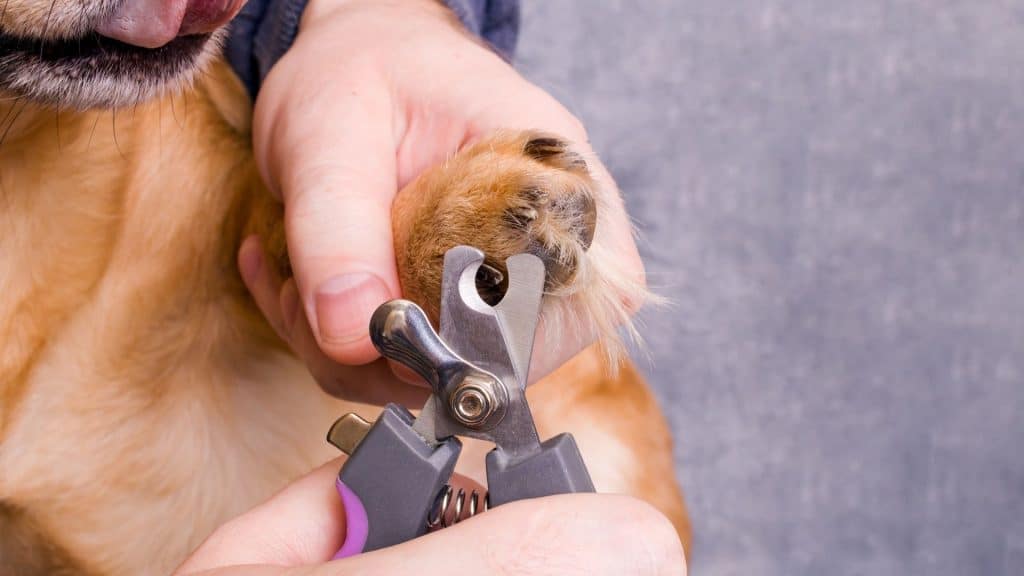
(371, 94)
(297, 532)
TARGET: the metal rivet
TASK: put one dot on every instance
(473, 402)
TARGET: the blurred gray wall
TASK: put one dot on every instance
(831, 192)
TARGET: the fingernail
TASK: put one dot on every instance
(344, 305)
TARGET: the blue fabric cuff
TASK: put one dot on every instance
(265, 29)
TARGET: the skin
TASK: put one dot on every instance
(371, 94)
(183, 383)
(297, 531)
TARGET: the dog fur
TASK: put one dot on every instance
(143, 398)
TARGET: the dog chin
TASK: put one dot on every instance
(96, 72)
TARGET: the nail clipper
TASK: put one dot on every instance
(394, 485)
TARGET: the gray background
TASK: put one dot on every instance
(830, 190)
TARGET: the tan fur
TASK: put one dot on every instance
(28, 550)
(497, 183)
(520, 192)
(143, 401)
(143, 398)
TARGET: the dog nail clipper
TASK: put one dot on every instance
(395, 483)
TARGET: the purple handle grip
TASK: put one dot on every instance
(391, 481)
(357, 525)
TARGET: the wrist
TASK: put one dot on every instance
(429, 10)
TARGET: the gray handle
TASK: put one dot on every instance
(470, 397)
(390, 482)
(557, 468)
(400, 330)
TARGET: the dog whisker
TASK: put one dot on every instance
(113, 129)
(46, 25)
(10, 124)
(93, 131)
(60, 148)
(3, 13)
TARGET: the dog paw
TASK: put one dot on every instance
(516, 193)
(550, 211)
(513, 193)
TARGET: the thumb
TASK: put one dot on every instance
(333, 165)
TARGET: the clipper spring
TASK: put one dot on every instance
(449, 506)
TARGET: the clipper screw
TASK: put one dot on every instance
(473, 401)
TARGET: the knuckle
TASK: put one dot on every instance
(319, 185)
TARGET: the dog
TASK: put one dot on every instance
(144, 400)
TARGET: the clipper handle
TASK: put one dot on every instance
(557, 468)
(401, 331)
(390, 482)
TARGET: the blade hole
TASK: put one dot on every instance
(491, 283)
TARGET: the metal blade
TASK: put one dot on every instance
(469, 325)
(519, 311)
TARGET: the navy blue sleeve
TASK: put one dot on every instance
(265, 29)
